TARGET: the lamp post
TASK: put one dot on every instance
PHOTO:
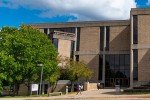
(40, 65)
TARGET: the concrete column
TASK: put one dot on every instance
(131, 54)
(103, 73)
(48, 32)
(131, 69)
(75, 43)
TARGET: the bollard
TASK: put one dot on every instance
(117, 88)
(66, 89)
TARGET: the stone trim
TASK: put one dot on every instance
(64, 35)
(82, 24)
(140, 46)
(141, 11)
(100, 52)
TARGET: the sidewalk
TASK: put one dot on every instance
(88, 95)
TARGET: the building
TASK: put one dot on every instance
(117, 51)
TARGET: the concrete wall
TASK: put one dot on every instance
(23, 90)
(92, 62)
(119, 38)
(64, 47)
(143, 54)
(143, 29)
(89, 38)
(90, 42)
(144, 65)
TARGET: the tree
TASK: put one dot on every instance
(75, 70)
(20, 52)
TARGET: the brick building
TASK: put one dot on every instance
(117, 51)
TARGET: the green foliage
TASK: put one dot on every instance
(76, 70)
(20, 52)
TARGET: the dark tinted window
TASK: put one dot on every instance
(45, 30)
(100, 66)
(107, 37)
(135, 64)
(77, 57)
(122, 60)
(101, 38)
(55, 42)
(127, 59)
(135, 29)
(117, 60)
(78, 39)
(72, 50)
(117, 67)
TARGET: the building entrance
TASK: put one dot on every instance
(117, 70)
(111, 82)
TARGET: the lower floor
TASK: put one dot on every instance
(126, 68)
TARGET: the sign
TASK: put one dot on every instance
(34, 87)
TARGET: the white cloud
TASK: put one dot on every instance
(81, 9)
(148, 2)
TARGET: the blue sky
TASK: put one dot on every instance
(17, 12)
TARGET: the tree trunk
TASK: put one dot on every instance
(48, 90)
(72, 86)
(29, 89)
(16, 90)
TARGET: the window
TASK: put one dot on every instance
(135, 64)
(135, 29)
(78, 39)
(45, 30)
(107, 37)
(117, 66)
(72, 50)
(101, 38)
(55, 42)
(100, 66)
(116, 60)
(77, 57)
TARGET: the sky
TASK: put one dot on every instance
(13, 13)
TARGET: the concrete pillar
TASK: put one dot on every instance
(131, 54)
(75, 43)
(103, 73)
(48, 32)
(131, 69)
(86, 86)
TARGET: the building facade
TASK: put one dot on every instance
(116, 51)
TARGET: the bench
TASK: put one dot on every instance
(60, 93)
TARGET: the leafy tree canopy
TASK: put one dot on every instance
(75, 70)
(20, 52)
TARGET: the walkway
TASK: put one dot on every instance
(88, 95)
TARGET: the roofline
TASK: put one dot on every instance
(140, 11)
(82, 24)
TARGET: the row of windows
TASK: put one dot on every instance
(118, 60)
(116, 66)
(72, 30)
(117, 73)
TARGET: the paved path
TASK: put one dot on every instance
(104, 94)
